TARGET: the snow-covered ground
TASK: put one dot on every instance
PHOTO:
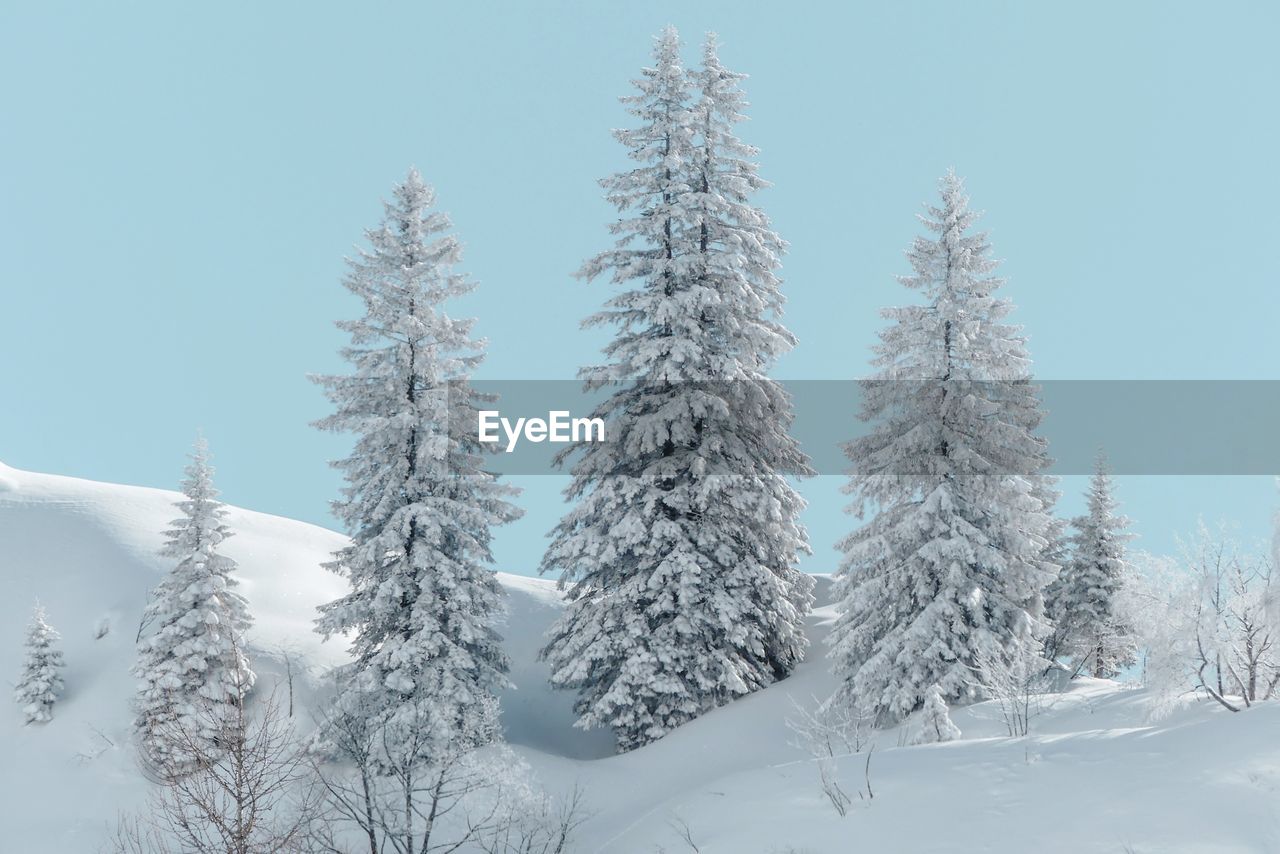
(1094, 776)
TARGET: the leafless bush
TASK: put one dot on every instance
(101, 744)
(829, 728)
(1233, 614)
(384, 797)
(1016, 681)
(682, 829)
(248, 794)
(537, 825)
(827, 731)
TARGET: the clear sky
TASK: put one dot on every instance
(179, 184)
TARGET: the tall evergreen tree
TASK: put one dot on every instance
(1082, 600)
(40, 682)
(418, 504)
(680, 554)
(954, 559)
(191, 665)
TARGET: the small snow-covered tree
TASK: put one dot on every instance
(1081, 602)
(935, 720)
(959, 549)
(192, 662)
(418, 503)
(679, 557)
(1231, 609)
(1205, 623)
(1151, 602)
(40, 682)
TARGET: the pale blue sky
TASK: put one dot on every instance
(180, 183)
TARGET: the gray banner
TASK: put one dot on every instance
(1149, 427)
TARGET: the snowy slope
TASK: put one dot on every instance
(87, 551)
(1095, 776)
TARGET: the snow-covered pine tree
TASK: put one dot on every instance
(191, 662)
(935, 721)
(40, 682)
(418, 504)
(1082, 600)
(679, 557)
(955, 558)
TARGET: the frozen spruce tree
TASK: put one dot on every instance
(679, 556)
(1082, 601)
(40, 683)
(954, 560)
(191, 657)
(418, 504)
(935, 723)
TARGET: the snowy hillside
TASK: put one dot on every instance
(1094, 775)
